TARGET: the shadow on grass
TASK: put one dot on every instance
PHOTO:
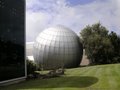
(72, 81)
(59, 82)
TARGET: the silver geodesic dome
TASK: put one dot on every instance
(57, 47)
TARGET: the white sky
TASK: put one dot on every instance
(41, 14)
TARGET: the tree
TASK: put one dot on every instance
(97, 44)
(115, 40)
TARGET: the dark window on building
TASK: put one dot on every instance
(12, 63)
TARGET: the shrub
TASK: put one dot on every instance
(31, 67)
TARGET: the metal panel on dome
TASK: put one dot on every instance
(60, 46)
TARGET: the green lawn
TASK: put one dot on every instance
(100, 77)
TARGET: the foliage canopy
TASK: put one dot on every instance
(100, 46)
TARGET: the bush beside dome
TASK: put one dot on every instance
(57, 47)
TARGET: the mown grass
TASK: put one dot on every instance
(100, 77)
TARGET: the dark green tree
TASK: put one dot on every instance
(97, 44)
(115, 40)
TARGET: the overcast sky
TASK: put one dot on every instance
(74, 14)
